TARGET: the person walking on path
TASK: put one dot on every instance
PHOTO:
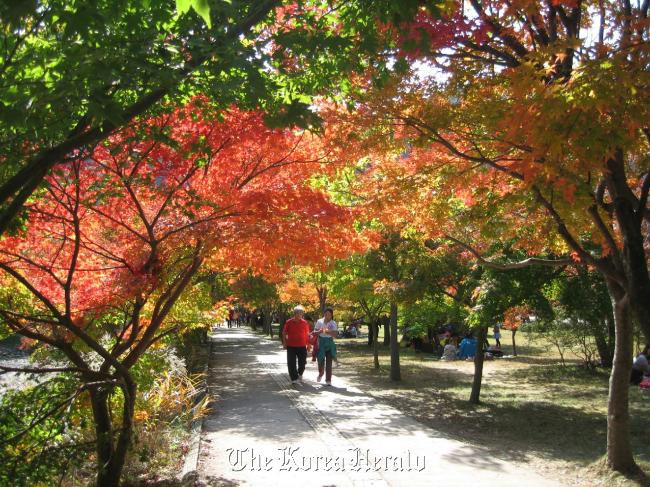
(327, 330)
(295, 338)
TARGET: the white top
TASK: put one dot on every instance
(641, 364)
(449, 353)
(321, 325)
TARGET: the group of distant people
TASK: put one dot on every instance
(466, 349)
(234, 318)
(299, 339)
(450, 345)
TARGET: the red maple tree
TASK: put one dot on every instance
(117, 237)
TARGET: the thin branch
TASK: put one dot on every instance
(512, 265)
(41, 370)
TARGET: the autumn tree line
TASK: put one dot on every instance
(481, 161)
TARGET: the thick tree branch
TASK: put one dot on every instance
(609, 238)
(508, 39)
(600, 197)
(163, 307)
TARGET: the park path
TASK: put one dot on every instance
(265, 432)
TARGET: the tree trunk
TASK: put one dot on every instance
(559, 350)
(611, 334)
(371, 332)
(514, 344)
(619, 449)
(282, 319)
(111, 455)
(600, 332)
(395, 374)
(103, 435)
(322, 299)
(430, 333)
(386, 322)
(478, 366)
(633, 256)
(266, 319)
(636, 270)
(375, 343)
(283, 322)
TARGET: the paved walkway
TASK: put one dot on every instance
(266, 432)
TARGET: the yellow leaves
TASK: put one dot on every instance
(170, 397)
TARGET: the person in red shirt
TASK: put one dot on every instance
(295, 338)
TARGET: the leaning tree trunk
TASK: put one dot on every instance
(111, 454)
(514, 344)
(395, 373)
(478, 366)
(619, 450)
(375, 342)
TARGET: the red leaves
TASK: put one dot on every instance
(515, 316)
(125, 221)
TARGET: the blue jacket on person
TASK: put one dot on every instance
(467, 348)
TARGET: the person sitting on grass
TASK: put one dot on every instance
(641, 366)
(450, 350)
(467, 348)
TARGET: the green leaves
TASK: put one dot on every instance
(201, 7)
(183, 6)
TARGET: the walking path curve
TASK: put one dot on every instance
(263, 431)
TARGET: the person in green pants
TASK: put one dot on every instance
(327, 331)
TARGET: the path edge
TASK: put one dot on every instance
(189, 475)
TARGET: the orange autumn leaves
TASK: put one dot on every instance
(466, 166)
(495, 109)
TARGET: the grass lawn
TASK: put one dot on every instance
(533, 409)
